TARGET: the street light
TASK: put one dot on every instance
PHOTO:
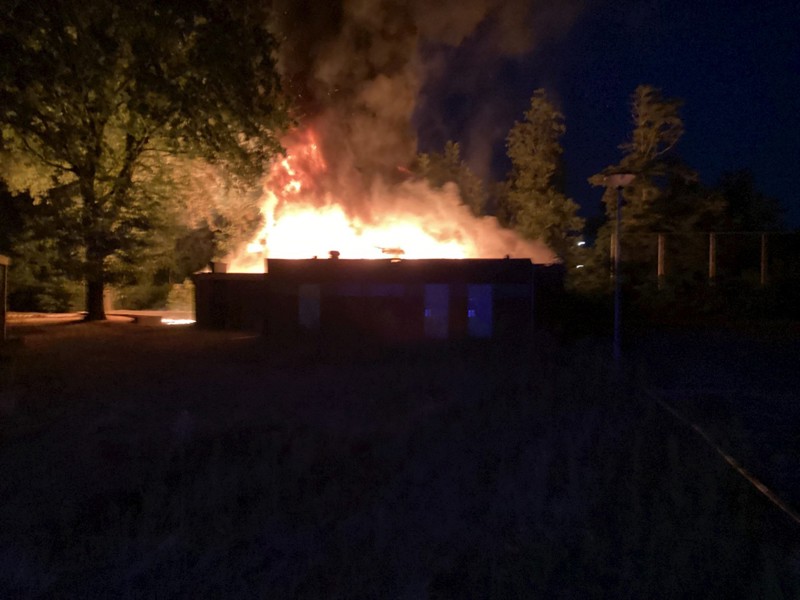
(619, 181)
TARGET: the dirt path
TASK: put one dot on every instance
(741, 386)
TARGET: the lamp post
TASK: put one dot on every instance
(4, 264)
(618, 181)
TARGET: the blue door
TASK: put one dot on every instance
(479, 310)
(437, 310)
(308, 307)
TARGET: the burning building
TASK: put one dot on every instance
(389, 300)
(412, 261)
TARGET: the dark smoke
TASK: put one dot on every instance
(355, 68)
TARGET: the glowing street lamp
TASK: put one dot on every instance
(619, 181)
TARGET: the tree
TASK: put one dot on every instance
(95, 94)
(747, 209)
(657, 128)
(650, 156)
(447, 167)
(533, 204)
(39, 278)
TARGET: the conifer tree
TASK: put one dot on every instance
(448, 166)
(650, 156)
(533, 204)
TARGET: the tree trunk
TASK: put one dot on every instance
(94, 267)
(95, 282)
(95, 309)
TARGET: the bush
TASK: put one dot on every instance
(142, 296)
(181, 297)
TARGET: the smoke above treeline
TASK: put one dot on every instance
(355, 67)
(355, 70)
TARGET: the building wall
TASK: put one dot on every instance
(231, 301)
(333, 302)
(378, 311)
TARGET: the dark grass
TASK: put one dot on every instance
(150, 462)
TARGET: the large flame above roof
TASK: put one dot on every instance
(355, 71)
(361, 69)
(305, 218)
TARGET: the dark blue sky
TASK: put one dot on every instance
(735, 65)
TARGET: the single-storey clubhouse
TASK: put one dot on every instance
(385, 300)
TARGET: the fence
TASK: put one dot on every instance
(756, 257)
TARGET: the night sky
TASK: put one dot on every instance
(735, 65)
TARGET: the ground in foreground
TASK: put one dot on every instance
(145, 460)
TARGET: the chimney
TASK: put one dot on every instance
(334, 254)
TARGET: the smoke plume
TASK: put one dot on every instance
(355, 71)
(354, 66)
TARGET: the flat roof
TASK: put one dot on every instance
(421, 270)
(470, 270)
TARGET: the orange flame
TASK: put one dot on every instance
(409, 220)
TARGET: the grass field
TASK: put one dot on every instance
(142, 462)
